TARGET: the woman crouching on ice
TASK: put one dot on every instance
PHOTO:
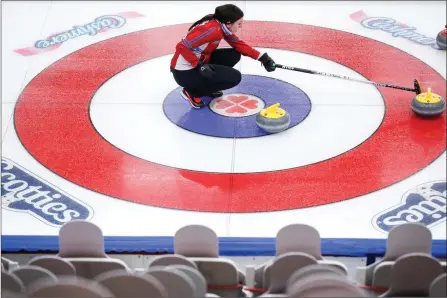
(202, 69)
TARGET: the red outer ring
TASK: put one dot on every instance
(53, 124)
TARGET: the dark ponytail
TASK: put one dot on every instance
(202, 20)
(226, 14)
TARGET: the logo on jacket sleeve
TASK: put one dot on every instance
(23, 191)
(425, 204)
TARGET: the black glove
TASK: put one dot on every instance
(267, 62)
(207, 71)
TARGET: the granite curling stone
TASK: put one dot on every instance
(441, 39)
(273, 119)
(428, 104)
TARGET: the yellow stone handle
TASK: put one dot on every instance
(428, 97)
(274, 111)
(272, 108)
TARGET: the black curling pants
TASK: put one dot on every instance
(225, 76)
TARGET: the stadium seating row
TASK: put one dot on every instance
(82, 268)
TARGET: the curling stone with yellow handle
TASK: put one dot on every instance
(428, 104)
(441, 39)
(273, 119)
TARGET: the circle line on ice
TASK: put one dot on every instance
(229, 123)
(53, 123)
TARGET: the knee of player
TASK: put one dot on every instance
(234, 57)
(237, 57)
(237, 77)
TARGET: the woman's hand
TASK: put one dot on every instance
(267, 62)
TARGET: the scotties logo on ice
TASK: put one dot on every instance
(25, 192)
(98, 25)
(425, 204)
(395, 28)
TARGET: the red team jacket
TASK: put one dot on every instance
(202, 40)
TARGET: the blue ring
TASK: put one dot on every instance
(206, 122)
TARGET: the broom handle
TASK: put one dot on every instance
(342, 77)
